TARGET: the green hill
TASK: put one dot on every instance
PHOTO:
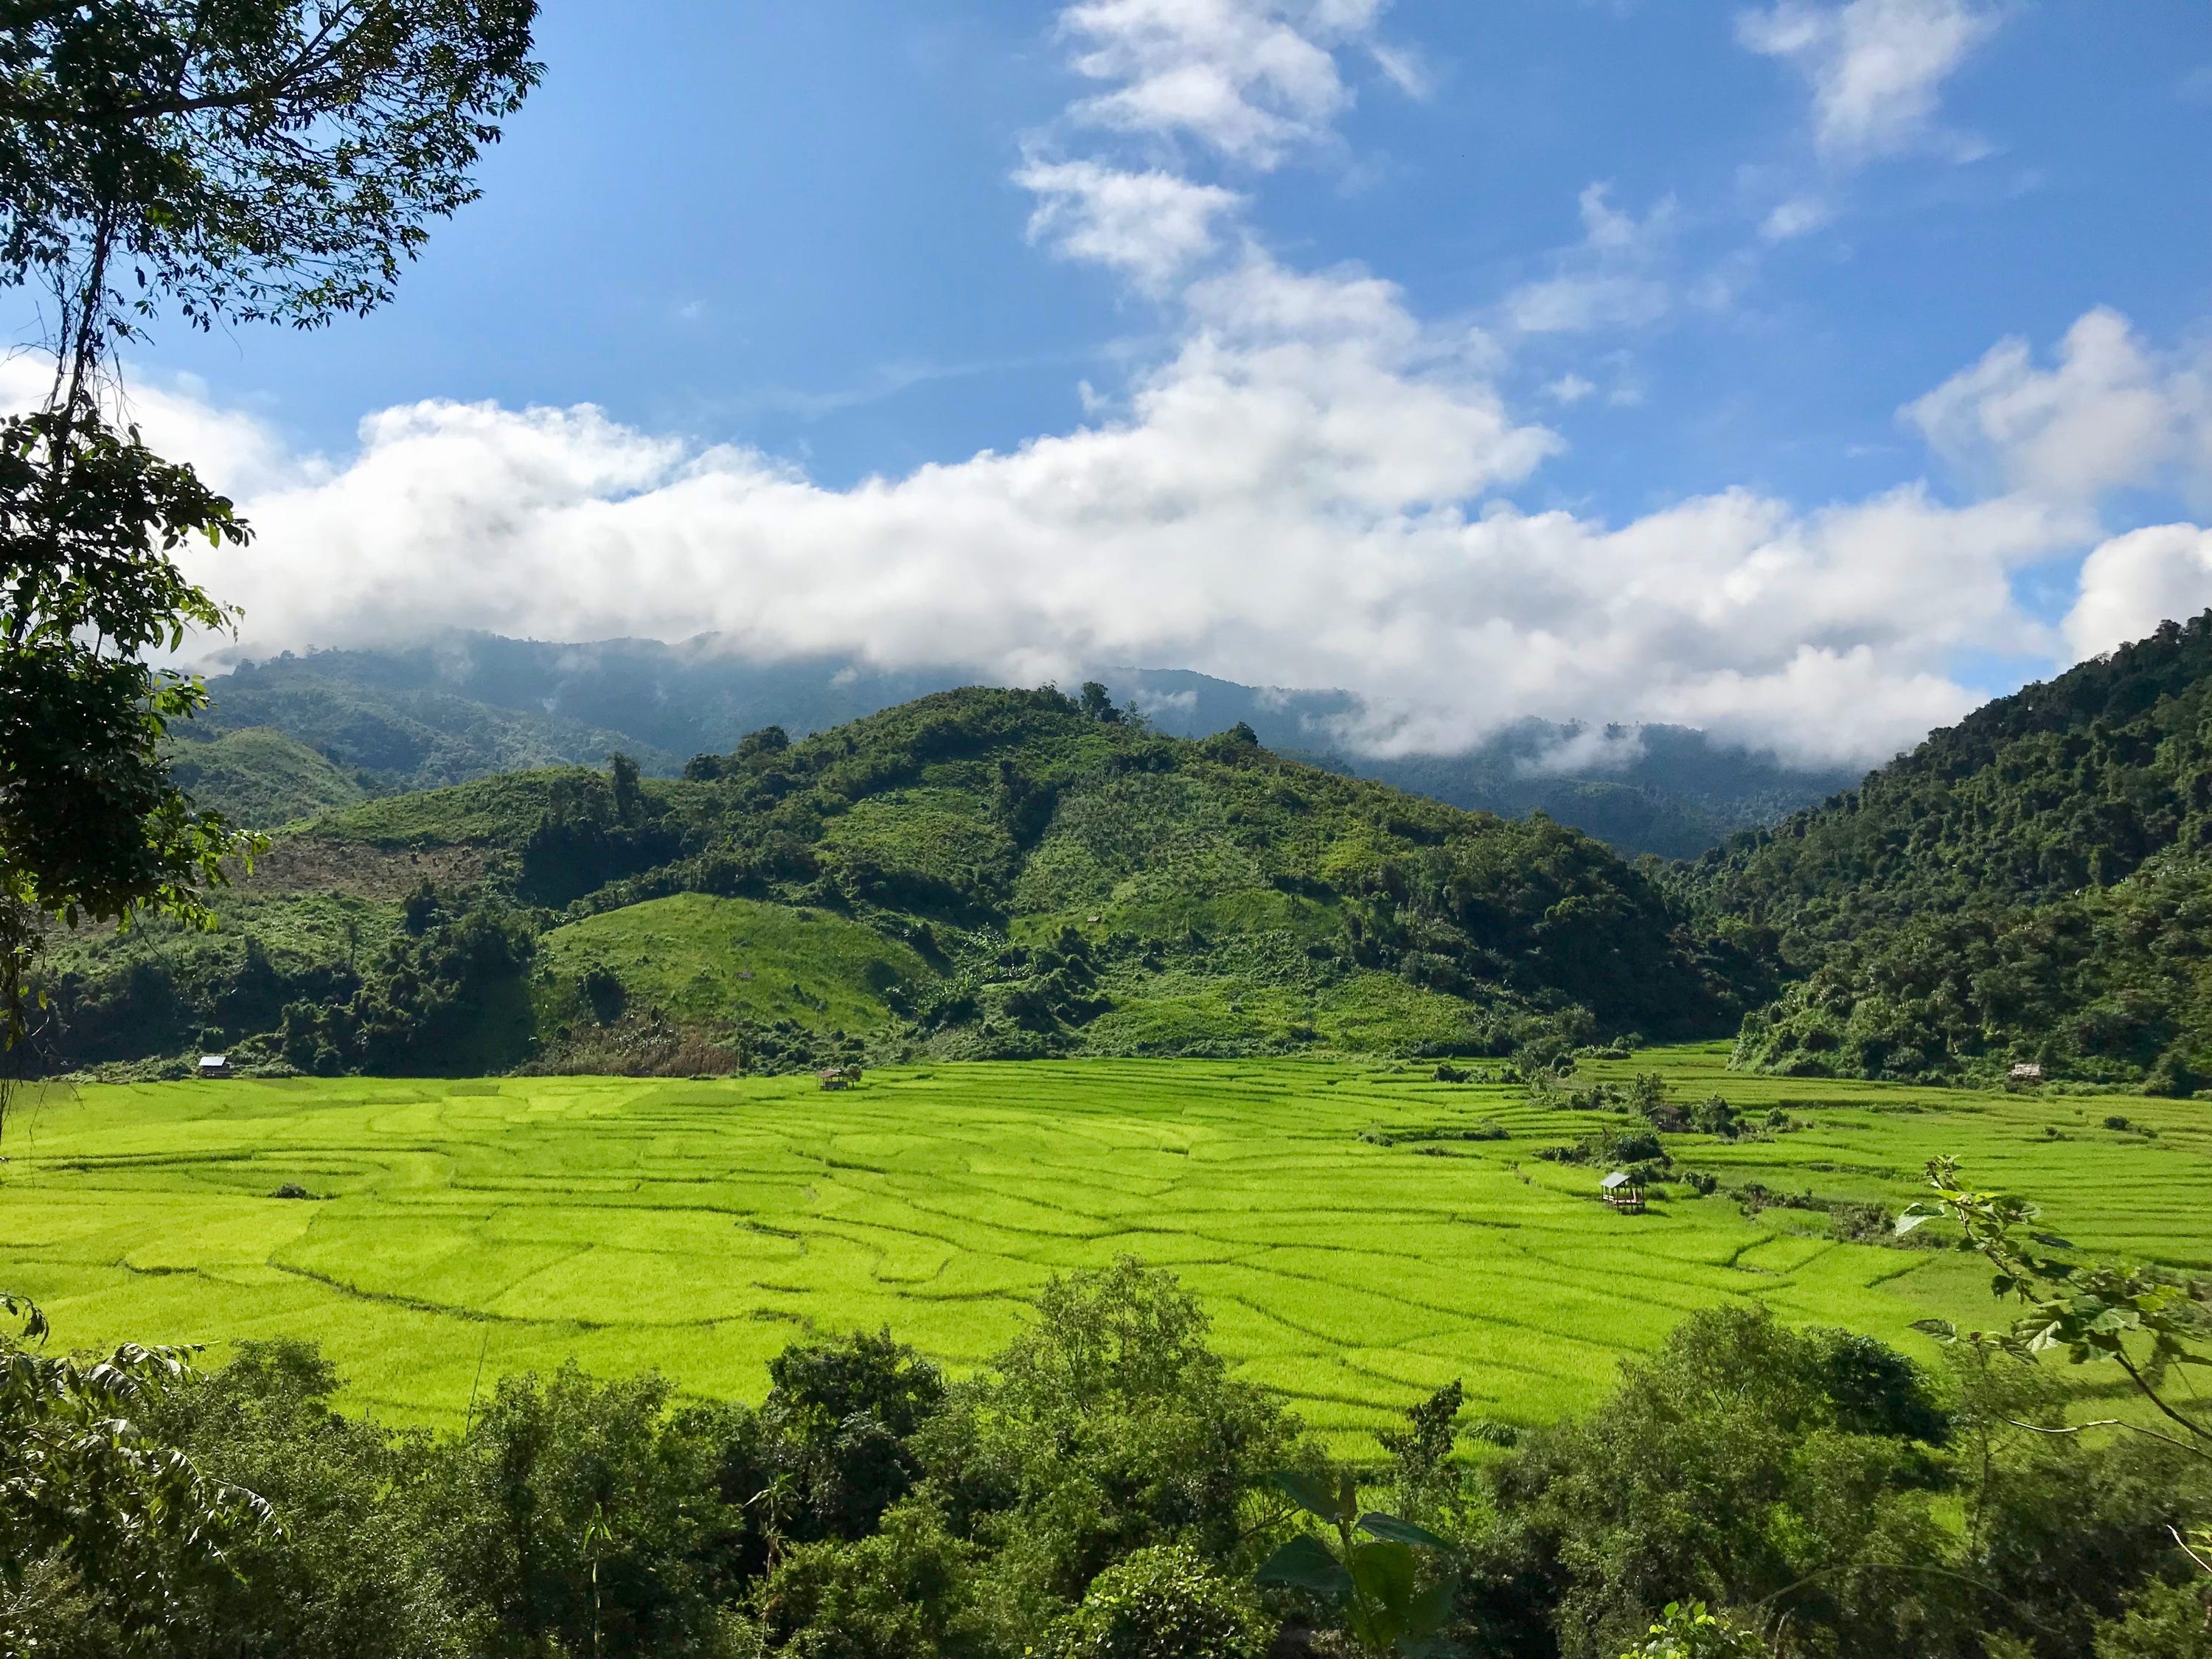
(464, 705)
(979, 872)
(260, 778)
(713, 962)
(2027, 886)
(404, 733)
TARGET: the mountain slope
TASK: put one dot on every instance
(467, 705)
(1035, 880)
(259, 777)
(399, 738)
(2025, 886)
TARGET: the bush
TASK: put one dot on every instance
(1862, 1224)
(1745, 1462)
(1165, 1602)
(2168, 1621)
(1107, 1425)
(907, 1592)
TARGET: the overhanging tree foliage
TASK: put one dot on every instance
(225, 160)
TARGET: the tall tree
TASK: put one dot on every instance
(220, 161)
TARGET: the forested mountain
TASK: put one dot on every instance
(977, 872)
(468, 706)
(1666, 790)
(2029, 886)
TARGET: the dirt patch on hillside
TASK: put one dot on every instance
(311, 864)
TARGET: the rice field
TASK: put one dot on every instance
(456, 1230)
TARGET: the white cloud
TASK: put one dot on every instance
(1877, 66)
(2110, 414)
(1608, 280)
(1588, 749)
(1306, 489)
(2133, 582)
(1799, 216)
(1306, 492)
(1151, 225)
(1252, 79)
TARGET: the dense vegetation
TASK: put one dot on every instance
(2025, 887)
(1036, 874)
(466, 705)
(1103, 1488)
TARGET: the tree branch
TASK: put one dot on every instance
(2115, 1423)
(2151, 1394)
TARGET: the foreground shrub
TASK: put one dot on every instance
(1165, 1602)
(1108, 1425)
(1744, 1463)
(907, 1592)
(2168, 1621)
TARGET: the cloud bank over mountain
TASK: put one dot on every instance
(1312, 485)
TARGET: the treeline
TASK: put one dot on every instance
(2023, 887)
(1103, 1487)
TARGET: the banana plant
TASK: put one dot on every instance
(1372, 1581)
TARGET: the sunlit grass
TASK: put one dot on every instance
(460, 1229)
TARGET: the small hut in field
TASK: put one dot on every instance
(1624, 1190)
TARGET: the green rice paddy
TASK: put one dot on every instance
(455, 1230)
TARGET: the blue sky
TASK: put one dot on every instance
(1632, 283)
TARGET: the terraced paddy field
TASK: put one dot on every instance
(455, 1230)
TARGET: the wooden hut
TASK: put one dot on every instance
(215, 1066)
(835, 1078)
(1624, 1191)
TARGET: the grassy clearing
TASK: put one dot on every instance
(489, 1226)
(711, 961)
(261, 778)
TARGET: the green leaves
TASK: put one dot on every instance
(1375, 1584)
(1304, 1563)
(244, 159)
(1694, 1631)
(2089, 1311)
(85, 1485)
(1389, 1527)
(1336, 1503)
(90, 824)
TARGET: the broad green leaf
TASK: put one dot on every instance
(1431, 1610)
(1305, 1563)
(1942, 1329)
(1384, 1575)
(1311, 1493)
(1400, 1532)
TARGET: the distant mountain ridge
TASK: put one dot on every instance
(467, 705)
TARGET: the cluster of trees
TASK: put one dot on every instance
(594, 831)
(223, 162)
(1465, 903)
(2108, 985)
(1103, 1488)
(2026, 885)
(450, 995)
